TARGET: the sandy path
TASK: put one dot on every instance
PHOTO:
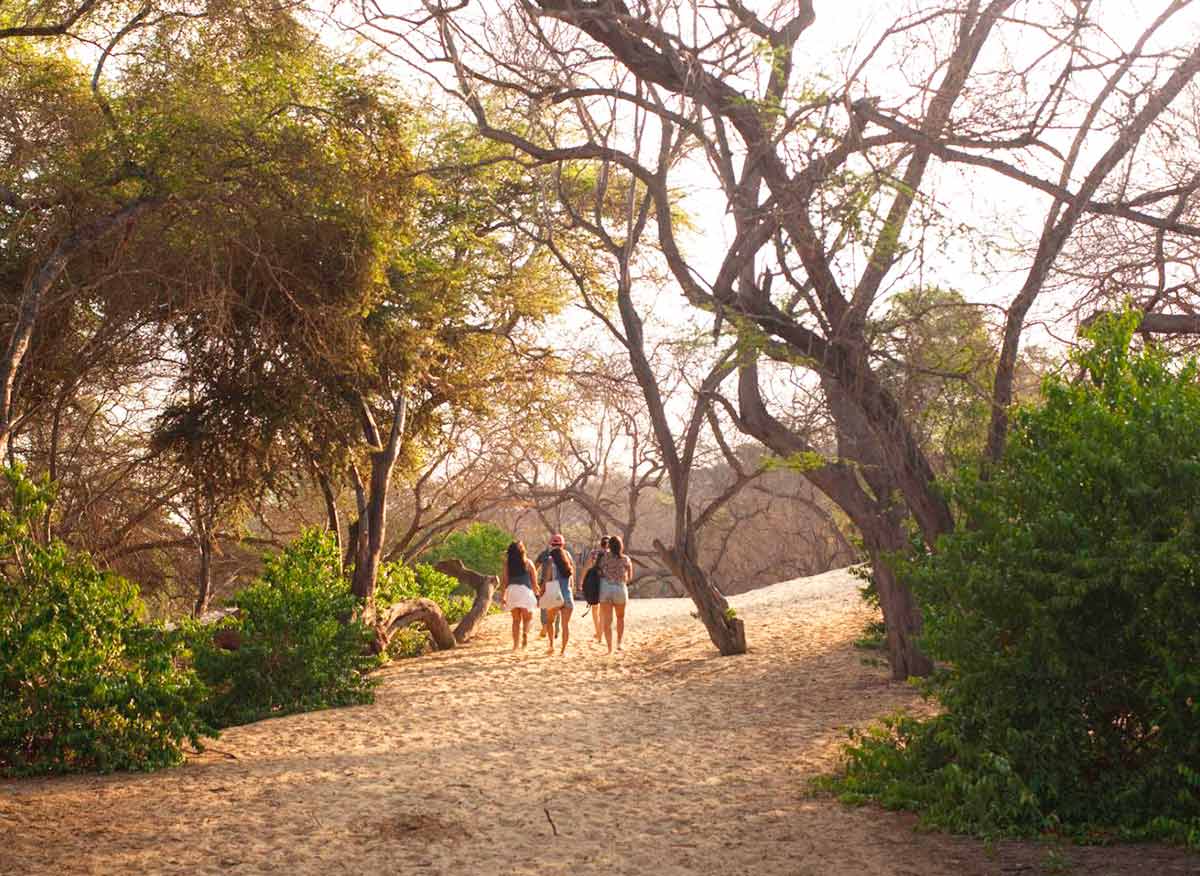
(665, 759)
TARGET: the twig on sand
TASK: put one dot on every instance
(553, 826)
(207, 749)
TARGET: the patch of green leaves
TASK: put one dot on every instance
(84, 683)
(1068, 616)
(301, 644)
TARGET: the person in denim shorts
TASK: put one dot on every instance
(558, 572)
(616, 571)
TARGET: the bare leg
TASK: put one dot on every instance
(516, 624)
(619, 608)
(526, 619)
(565, 614)
(606, 611)
(596, 621)
(550, 615)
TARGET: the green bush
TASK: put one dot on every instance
(1068, 616)
(398, 582)
(301, 646)
(480, 546)
(84, 684)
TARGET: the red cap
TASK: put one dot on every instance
(557, 540)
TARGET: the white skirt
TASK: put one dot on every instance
(519, 596)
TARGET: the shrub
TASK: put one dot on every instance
(480, 546)
(1068, 614)
(301, 645)
(85, 684)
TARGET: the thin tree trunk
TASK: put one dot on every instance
(372, 521)
(204, 588)
(727, 631)
(332, 520)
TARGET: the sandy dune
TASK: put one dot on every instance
(666, 759)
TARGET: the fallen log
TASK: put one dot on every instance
(483, 585)
(412, 611)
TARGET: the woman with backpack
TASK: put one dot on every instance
(591, 583)
(616, 571)
(557, 598)
(517, 580)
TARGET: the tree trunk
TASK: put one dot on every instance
(484, 585)
(412, 611)
(204, 588)
(332, 519)
(727, 632)
(884, 537)
(879, 524)
(372, 519)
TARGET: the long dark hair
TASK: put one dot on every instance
(516, 559)
(615, 547)
(562, 563)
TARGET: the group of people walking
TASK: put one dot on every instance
(552, 584)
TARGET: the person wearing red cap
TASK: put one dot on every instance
(556, 541)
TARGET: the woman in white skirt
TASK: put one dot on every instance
(557, 576)
(516, 592)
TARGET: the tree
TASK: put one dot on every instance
(830, 189)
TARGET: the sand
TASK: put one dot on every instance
(664, 759)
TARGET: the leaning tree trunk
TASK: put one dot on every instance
(412, 611)
(485, 586)
(727, 631)
(879, 524)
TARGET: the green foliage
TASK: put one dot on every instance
(86, 685)
(301, 646)
(935, 355)
(480, 546)
(800, 462)
(1068, 615)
